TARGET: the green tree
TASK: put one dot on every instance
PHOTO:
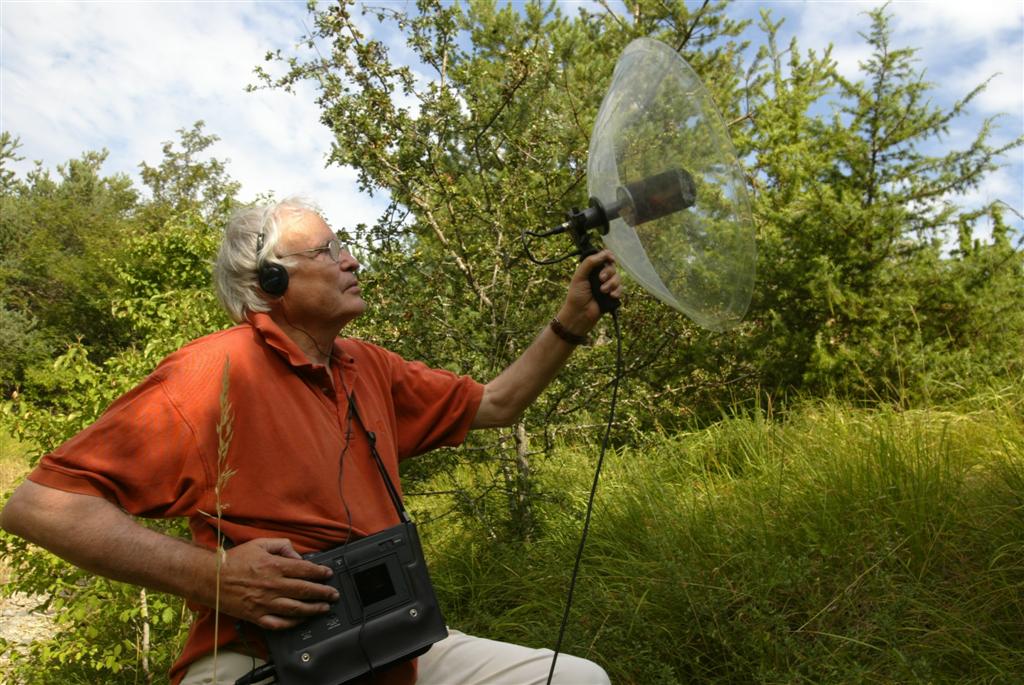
(57, 234)
(493, 141)
(854, 213)
(62, 241)
(184, 182)
(24, 343)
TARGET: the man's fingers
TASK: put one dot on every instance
(594, 261)
(285, 600)
(300, 568)
(289, 578)
(270, 557)
(266, 582)
(279, 546)
(307, 591)
(611, 282)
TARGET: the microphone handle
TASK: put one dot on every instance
(606, 302)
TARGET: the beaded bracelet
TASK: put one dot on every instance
(565, 334)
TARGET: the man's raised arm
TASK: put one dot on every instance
(507, 396)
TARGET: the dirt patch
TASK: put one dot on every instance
(22, 623)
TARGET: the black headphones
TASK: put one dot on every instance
(273, 277)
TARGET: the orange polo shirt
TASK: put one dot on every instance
(154, 451)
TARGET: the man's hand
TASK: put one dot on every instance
(581, 312)
(266, 582)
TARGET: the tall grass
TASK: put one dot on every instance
(831, 545)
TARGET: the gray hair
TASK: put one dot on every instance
(236, 269)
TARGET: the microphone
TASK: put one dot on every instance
(653, 197)
(636, 203)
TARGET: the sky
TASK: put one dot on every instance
(125, 76)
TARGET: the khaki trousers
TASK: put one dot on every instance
(459, 659)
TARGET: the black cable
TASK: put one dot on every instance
(284, 312)
(593, 491)
(543, 262)
(341, 459)
(257, 674)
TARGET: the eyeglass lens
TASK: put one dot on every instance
(334, 249)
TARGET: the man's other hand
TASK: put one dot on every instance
(266, 582)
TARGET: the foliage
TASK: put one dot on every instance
(493, 142)
(99, 633)
(165, 291)
(69, 248)
(55, 237)
(831, 544)
(852, 213)
(160, 297)
(23, 345)
(856, 286)
(9, 145)
(184, 183)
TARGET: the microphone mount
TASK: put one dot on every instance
(635, 203)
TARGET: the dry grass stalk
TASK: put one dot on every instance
(224, 474)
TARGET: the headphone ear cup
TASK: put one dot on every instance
(273, 279)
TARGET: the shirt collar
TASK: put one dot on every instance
(277, 339)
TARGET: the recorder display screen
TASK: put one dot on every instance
(374, 584)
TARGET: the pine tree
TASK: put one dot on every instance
(857, 212)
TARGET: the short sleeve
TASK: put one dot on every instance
(140, 454)
(429, 408)
(433, 407)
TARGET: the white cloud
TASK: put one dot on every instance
(1005, 92)
(126, 76)
(817, 25)
(967, 21)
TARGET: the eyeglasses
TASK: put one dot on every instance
(332, 247)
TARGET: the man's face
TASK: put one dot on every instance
(321, 292)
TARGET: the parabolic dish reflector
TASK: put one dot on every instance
(656, 118)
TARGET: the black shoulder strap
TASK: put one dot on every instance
(372, 437)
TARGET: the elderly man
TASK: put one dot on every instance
(300, 474)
